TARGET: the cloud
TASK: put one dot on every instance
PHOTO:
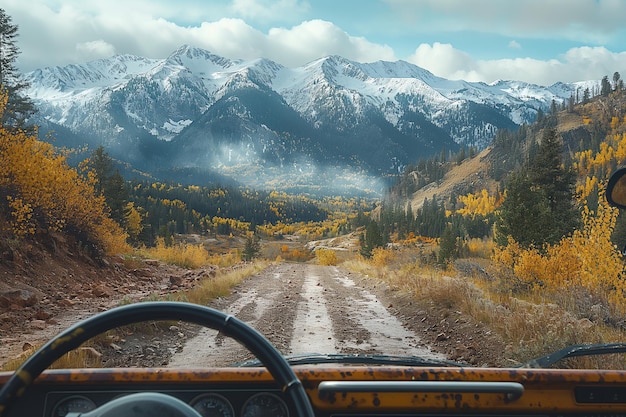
(269, 10)
(77, 31)
(577, 64)
(95, 49)
(515, 45)
(59, 32)
(589, 21)
(317, 38)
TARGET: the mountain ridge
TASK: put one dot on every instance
(372, 118)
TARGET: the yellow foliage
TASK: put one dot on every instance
(42, 192)
(381, 257)
(297, 255)
(482, 248)
(185, 255)
(587, 259)
(584, 190)
(21, 217)
(326, 256)
(477, 204)
(612, 150)
(134, 220)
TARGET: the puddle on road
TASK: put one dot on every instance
(389, 335)
(313, 326)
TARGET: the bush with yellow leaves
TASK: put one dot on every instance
(382, 257)
(326, 256)
(184, 254)
(587, 259)
(40, 192)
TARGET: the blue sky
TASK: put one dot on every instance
(538, 41)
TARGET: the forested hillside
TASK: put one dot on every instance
(585, 133)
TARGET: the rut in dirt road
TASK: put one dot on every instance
(304, 308)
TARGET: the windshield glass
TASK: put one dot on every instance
(385, 182)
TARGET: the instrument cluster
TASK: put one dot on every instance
(207, 404)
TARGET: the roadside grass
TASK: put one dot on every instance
(220, 285)
(188, 255)
(86, 356)
(531, 324)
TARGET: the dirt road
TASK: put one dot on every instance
(304, 308)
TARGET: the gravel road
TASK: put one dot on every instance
(304, 308)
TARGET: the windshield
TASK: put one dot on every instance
(384, 182)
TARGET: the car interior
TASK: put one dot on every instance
(278, 386)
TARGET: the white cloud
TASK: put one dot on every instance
(584, 63)
(580, 20)
(78, 31)
(317, 38)
(269, 10)
(515, 45)
(59, 32)
(94, 49)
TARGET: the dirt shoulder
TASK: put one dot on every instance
(42, 293)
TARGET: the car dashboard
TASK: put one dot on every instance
(338, 391)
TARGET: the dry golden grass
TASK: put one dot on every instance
(220, 285)
(183, 254)
(187, 255)
(530, 326)
(85, 356)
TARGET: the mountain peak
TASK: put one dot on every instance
(189, 56)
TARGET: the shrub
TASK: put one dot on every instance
(184, 254)
(326, 256)
(381, 257)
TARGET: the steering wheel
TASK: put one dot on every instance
(74, 336)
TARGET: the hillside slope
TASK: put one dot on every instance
(585, 127)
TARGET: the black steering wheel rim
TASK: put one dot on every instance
(229, 325)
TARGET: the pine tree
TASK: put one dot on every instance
(372, 239)
(547, 171)
(252, 247)
(19, 108)
(523, 213)
(539, 206)
(109, 183)
(605, 86)
(447, 246)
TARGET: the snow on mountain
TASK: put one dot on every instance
(393, 111)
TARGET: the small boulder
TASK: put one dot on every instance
(20, 298)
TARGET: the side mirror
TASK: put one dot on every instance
(616, 189)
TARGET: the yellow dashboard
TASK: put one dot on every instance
(338, 391)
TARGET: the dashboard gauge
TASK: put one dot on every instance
(74, 404)
(265, 405)
(212, 405)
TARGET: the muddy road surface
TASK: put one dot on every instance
(304, 308)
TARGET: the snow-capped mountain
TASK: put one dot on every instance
(194, 109)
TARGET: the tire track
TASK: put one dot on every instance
(303, 308)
